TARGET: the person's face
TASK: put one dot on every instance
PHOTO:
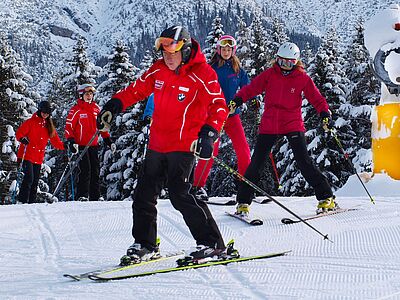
(172, 60)
(44, 115)
(88, 96)
(226, 52)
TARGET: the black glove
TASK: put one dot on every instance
(24, 140)
(147, 120)
(72, 146)
(203, 147)
(234, 103)
(107, 114)
(326, 119)
(109, 142)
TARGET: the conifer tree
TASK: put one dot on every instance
(363, 94)
(212, 38)
(120, 73)
(17, 103)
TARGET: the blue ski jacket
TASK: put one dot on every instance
(229, 81)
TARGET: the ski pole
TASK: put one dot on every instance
(19, 177)
(346, 156)
(278, 180)
(260, 190)
(73, 165)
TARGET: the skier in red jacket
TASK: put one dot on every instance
(283, 85)
(189, 111)
(80, 127)
(34, 134)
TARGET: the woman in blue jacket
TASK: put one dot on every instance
(231, 77)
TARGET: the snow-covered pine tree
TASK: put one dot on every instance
(278, 36)
(329, 78)
(212, 38)
(243, 37)
(74, 71)
(17, 103)
(120, 72)
(363, 94)
(307, 55)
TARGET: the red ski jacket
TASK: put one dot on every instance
(283, 99)
(184, 100)
(35, 130)
(81, 123)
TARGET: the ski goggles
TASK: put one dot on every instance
(168, 44)
(89, 89)
(227, 42)
(286, 62)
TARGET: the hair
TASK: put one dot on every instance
(216, 58)
(51, 129)
(299, 65)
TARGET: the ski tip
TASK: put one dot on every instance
(287, 221)
(96, 278)
(256, 222)
(73, 277)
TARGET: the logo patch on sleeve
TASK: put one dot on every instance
(158, 84)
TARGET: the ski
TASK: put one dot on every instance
(316, 216)
(221, 261)
(262, 201)
(223, 202)
(251, 220)
(119, 268)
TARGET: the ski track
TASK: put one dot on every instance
(361, 263)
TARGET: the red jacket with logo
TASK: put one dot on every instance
(35, 130)
(184, 100)
(81, 123)
(283, 99)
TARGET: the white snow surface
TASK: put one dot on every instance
(40, 242)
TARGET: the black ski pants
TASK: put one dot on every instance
(174, 169)
(88, 182)
(297, 142)
(28, 189)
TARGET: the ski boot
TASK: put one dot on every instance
(199, 193)
(243, 209)
(326, 205)
(136, 254)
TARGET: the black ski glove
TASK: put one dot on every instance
(234, 103)
(24, 140)
(108, 113)
(72, 146)
(203, 147)
(326, 119)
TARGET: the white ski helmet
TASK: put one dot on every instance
(289, 50)
(83, 88)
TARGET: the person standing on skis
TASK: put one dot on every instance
(283, 85)
(34, 134)
(231, 77)
(80, 127)
(189, 111)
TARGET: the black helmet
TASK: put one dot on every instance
(45, 107)
(173, 39)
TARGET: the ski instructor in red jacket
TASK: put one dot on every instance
(284, 84)
(189, 111)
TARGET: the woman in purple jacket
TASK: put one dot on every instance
(284, 84)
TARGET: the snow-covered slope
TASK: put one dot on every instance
(41, 242)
